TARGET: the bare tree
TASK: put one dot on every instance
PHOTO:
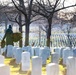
(2, 15)
(25, 9)
(67, 24)
(47, 9)
(16, 17)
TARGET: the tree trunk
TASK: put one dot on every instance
(20, 42)
(21, 2)
(28, 18)
(27, 34)
(48, 40)
(20, 28)
(49, 32)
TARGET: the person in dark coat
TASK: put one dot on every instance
(8, 36)
(9, 39)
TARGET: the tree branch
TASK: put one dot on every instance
(64, 8)
(19, 9)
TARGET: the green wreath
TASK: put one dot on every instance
(2, 44)
(17, 36)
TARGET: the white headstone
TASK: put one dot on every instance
(24, 48)
(71, 66)
(3, 50)
(28, 49)
(4, 70)
(74, 52)
(9, 50)
(58, 50)
(1, 59)
(35, 51)
(66, 53)
(14, 52)
(44, 53)
(36, 66)
(25, 61)
(18, 55)
(52, 69)
(61, 52)
(47, 51)
(55, 57)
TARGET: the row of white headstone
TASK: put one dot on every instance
(16, 52)
(51, 69)
(64, 53)
(70, 63)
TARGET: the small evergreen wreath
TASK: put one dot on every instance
(2, 44)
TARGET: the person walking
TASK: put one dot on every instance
(8, 35)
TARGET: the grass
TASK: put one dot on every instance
(15, 68)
